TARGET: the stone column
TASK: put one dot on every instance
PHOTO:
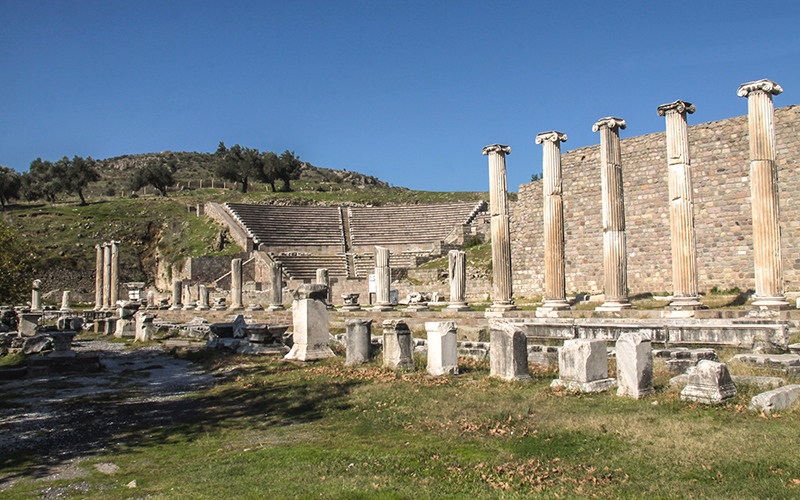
(555, 291)
(98, 278)
(458, 280)
(202, 298)
(107, 277)
(764, 194)
(383, 279)
(187, 298)
(36, 296)
(236, 285)
(501, 231)
(359, 341)
(65, 301)
(276, 286)
(681, 207)
(615, 258)
(176, 294)
(323, 278)
(114, 297)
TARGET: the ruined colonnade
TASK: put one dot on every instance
(106, 283)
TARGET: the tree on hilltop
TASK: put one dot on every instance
(78, 173)
(44, 179)
(288, 168)
(157, 173)
(239, 164)
(10, 184)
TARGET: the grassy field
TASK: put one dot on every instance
(272, 429)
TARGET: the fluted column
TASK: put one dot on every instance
(236, 285)
(764, 194)
(383, 278)
(177, 286)
(114, 297)
(107, 306)
(615, 259)
(681, 207)
(202, 298)
(98, 278)
(276, 286)
(187, 298)
(501, 232)
(457, 261)
(555, 292)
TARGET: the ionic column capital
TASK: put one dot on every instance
(677, 106)
(496, 148)
(551, 136)
(609, 122)
(767, 86)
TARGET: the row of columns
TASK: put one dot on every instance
(106, 284)
(764, 195)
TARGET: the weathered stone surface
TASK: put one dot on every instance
(350, 302)
(310, 334)
(634, 357)
(29, 323)
(177, 292)
(359, 341)
(457, 274)
(708, 382)
(778, 399)
(785, 362)
(398, 345)
(682, 360)
(383, 279)
(442, 347)
(543, 355)
(276, 286)
(508, 351)
(323, 278)
(144, 326)
(762, 382)
(236, 285)
(583, 366)
(502, 291)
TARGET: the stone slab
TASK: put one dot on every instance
(778, 399)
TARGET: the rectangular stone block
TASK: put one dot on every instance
(778, 399)
(583, 366)
(310, 332)
(634, 356)
(398, 345)
(508, 351)
(442, 347)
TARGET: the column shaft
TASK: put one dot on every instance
(276, 286)
(555, 293)
(107, 277)
(114, 273)
(98, 278)
(457, 267)
(502, 291)
(383, 278)
(236, 284)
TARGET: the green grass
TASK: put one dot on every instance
(278, 430)
(13, 360)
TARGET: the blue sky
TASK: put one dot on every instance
(406, 91)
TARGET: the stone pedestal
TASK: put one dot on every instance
(709, 382)
(508, 351)
(98, 278)
(65, 301)
(583, 366)
(681, 207)
(144, 326)
(202, 298)
(457, 271)
(383, 279)
(501, 231)
(177, 289)
(62, 344)
(764, 194)
(236, 285)
(555, 293)
(442, 347)
(398, 345)
(151, 300)
(310, 318)
(276, 286)
(359, 341)
(350, 302)
(634, 365)
(615, 258)
(323, 278)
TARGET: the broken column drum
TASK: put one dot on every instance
(236, 285)
(202, 298)
(177, 286)
(310, 332)
(107, 277)
(457, 261)
(98, 278)
(276, 286)
(187, 298)
(442, 347)
(764, 194)
(65, 301)
(615, 259)
(398, 345)
(323, 278)
(114, 293)
(681, 207)
(501, 231)
(555, 293)
(359, 341)
(383, 277)
(36, 296)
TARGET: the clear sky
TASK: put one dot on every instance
(408, 91)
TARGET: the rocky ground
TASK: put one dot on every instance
(59, 421)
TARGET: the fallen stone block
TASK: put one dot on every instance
(709, 382)
(583, 366)
(778, 399)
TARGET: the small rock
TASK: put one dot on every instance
(132, 484)
(107, 467)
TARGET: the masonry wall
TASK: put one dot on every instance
(720, 168)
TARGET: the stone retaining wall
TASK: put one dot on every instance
(720, 168)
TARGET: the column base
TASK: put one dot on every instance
(236, 308)
(500, 310)
(458, 306)
(686, 304)
(382, 307)
(176, 307)
(614, 305)
(778, 303)
(351, 308)
(276, 307)
(255, 307)
(554, 305)
(202, 308)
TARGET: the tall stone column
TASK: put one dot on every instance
(383, 280)
(107, 306)
(764, 194)
(98, 278)
(114, 297)
(236, 285)
(457, 260)
(555, 290)
(177, 286)
(323, 278)
(615, 259)
(36, 296)
(681, 207)
(501, 231)
(276, 286)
